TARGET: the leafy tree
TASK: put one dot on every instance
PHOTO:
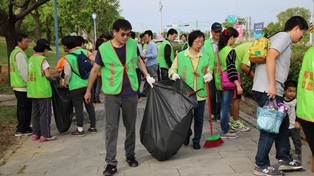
(12, 12)
(227, 24)
(282, 17)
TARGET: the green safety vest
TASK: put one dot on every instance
(305, 92)
(76, 81)
(161, 54)
(15, 79)
(38, 86)
(188, 74)
(208, 50)
(185, 44)
(112, 72)
(223, 65)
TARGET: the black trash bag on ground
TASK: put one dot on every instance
(167, 118)
(62, 106)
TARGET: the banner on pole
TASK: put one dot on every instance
(258, 30)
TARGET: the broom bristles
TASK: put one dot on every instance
(215, 143)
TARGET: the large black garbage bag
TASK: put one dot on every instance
(167, 118)
(62, 106)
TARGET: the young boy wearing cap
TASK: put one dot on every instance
(39, 90)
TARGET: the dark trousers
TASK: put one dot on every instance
(41, 116)
(77, 96)
(139, 78)
(164, 73)
(215, 100)
(23, 111)
(198, 117)
(296, 139)
(113, 106)
(308, 128)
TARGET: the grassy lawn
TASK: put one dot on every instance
(8, 122)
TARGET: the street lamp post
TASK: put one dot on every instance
(94, 16)
(160, 10)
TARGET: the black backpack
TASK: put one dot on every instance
(84, 65)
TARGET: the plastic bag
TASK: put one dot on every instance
(62, 106)
(167, 118)
(269, 118)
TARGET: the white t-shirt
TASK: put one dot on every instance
(291, 105)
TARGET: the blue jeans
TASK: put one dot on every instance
(226, 100)
(198, 116)
(266, 140)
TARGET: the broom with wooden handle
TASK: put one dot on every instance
(213, 140)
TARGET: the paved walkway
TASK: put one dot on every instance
(76, 156)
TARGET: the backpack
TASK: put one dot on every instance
(258, 51)
(84, 65)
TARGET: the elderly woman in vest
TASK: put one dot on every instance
(193, 67)
(39, 90)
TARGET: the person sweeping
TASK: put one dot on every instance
(193, 67)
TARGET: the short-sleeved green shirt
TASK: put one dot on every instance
(242, 52)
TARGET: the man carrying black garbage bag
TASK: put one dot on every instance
(117, 60)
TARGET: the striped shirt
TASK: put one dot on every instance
(231, 67)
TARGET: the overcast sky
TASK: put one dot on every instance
(144, 14)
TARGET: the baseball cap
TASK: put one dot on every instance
(43, 43)
(216, 27)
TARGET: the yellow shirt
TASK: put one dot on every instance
(174, 67)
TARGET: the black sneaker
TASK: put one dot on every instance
(92, 130)
(17, 134)
(267, 171)
(27, 133)
(289, 165)
(110, 170)
(131, 161)
(196, 145)
(186, 141)
(78, 133)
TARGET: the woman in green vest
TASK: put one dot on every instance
(305, 96)
(39, 90)
(193, 67)
(227, 60)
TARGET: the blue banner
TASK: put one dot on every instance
(258, 30)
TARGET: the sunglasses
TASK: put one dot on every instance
(125, 34)
(217, 31)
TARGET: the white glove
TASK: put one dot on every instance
(207, 77)
(150, 80)
(175, 76)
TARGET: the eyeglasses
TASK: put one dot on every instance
(125, 34)
(199, 42)
(217, 31)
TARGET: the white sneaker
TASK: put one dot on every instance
(240, 126)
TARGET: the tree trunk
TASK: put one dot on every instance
(48, 32)
(9, 34)
(35, 15)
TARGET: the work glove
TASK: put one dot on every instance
(175, 76)
(207, 77)
(150, 80)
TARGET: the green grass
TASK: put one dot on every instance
(8, 122)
